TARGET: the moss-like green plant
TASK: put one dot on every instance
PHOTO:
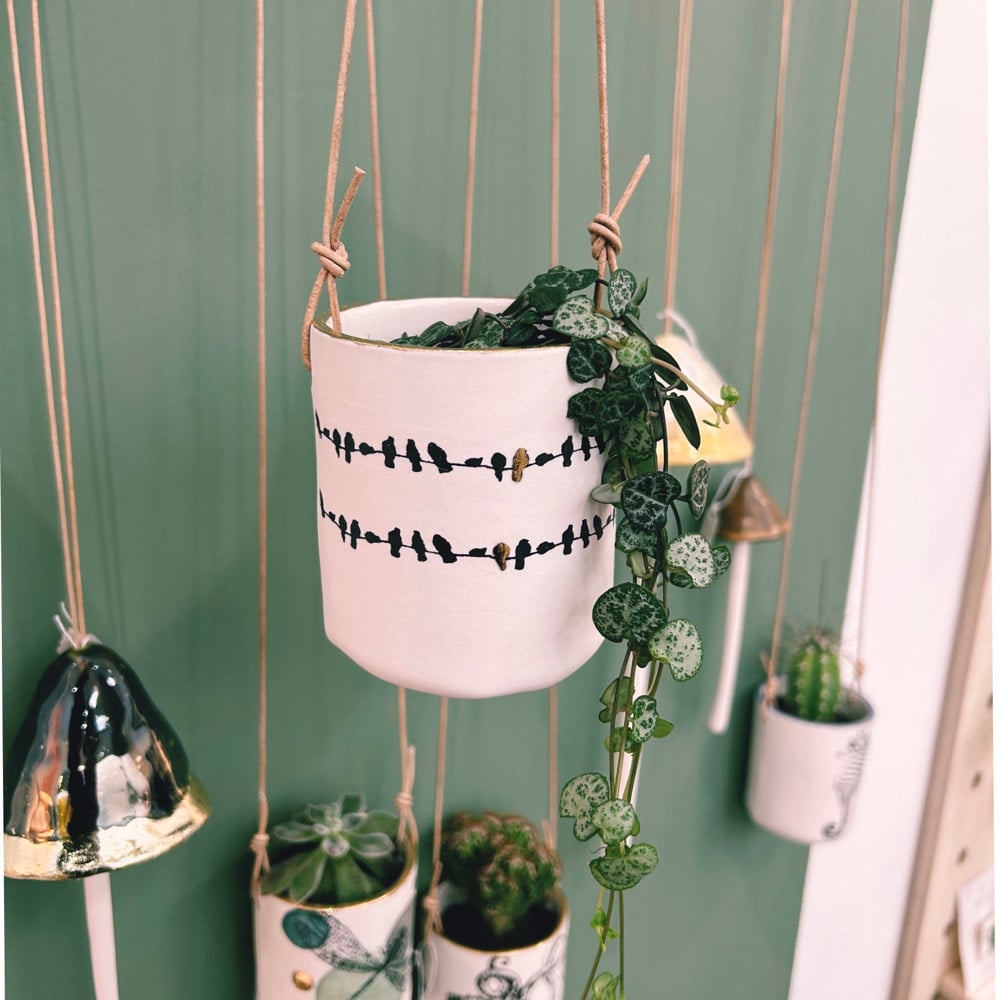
(334, 854)
(501, 864)
(813, 678)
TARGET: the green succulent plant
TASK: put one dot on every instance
(812, 689)
(334, 854)
(501, 864)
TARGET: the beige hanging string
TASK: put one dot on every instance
(432, 901)
(470, 163)
(605, 233)
(334, 261)
(408, 770)
(684, 23)
(770, 690)
(259, 841)
(62, 453)
(554, 198)
(887, 260)
(376, 153)
(767, 246)
(551, 825)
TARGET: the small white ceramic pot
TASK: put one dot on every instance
(362, 950)
(455, 972)
(803, 775)
(460, 552)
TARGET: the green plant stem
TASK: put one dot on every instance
(600, 947)
(619, 769)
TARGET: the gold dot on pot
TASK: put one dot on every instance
(520, 464)
(302, 980)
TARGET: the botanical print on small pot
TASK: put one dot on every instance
(460, 550)
(803, 775)
(358, 951)
(460, 972)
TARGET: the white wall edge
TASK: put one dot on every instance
(927, 491)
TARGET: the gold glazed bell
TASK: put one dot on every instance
(751, 514)
(96, 778)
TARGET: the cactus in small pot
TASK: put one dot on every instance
(334, 854)
(508, 877)
(813, 678)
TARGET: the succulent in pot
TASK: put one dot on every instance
(335, 853)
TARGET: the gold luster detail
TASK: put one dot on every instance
(302, 980)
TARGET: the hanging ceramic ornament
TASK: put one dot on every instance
(745, 515)
(460, 551)
(96, 778)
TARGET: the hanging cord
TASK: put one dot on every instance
(334, 262)
(685, 19)
(609, 233)
(887, 261)
(259, 841)
(470, 162)
(65, 480)
(550, 826)
(376, 153)
(605, 233)
(554, 198)
(767, 245)
(408, 769)
(771, 686)
(432, 901)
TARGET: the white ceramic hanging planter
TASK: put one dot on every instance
(360, 950)
(803, 775)
(460, 552)
(535, 972)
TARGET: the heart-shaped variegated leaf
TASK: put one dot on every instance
(629, 538)
(628, 611)
(644, 718)
(617, 873)
(615, 820)
(678, 645)
(587, 360)
(576, 318)
(648, 497)
(721, 557)
(697, 487)
(621, 287)
(690, 554)
(635, 438)
(580, 797)
(635, 352)
(589, 408)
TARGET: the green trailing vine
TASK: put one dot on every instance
(639, 383)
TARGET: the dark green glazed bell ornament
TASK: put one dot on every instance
(96, 779)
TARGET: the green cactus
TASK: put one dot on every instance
(813, 691)
(501, 863)
(334, 854)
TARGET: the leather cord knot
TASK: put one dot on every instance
(432, 902)
(333, 259)
(605, 238)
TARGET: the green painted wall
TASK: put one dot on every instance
(150, 110)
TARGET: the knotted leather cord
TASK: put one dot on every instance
(470, 160)
(767, 244)
(887, 262)
(685, 18)
(770, 688)
(334, 261)
(62, 452)
(376, 151)
(432, 901)
(259, 841)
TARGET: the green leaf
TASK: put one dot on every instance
(678, 645)
(636, 438)
(618, 873)
(580, 796)
(576, 318)
(640, 293)
(642, 380)
(614, 699)
(547, 299)
(606, 986)
(615, 820)
(644, 717)
(691, 554)
(623, 404)
(628, 611)
(647, 498)
(663, 728)
(589, 409)
(697, 487)
(587, 360)
(607, 493)
(488, 332)
(686, 420)
(305, 876)
(621, 287)
(635, 352)
(721, 556)
(629, 538)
